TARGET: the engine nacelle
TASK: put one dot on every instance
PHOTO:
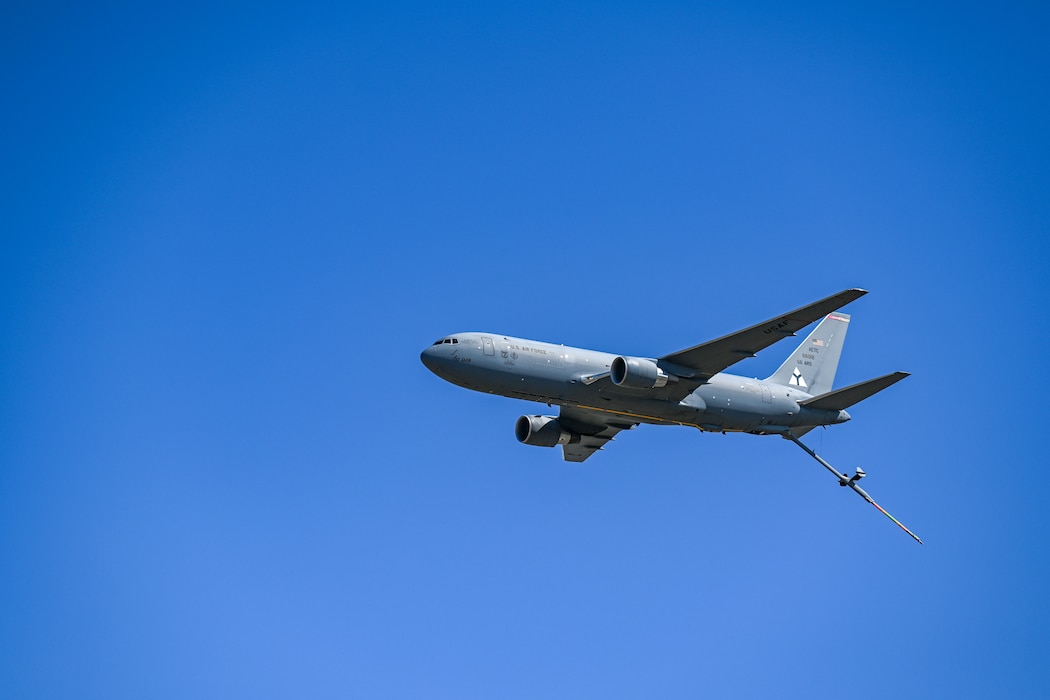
(542, 431)
(637, 373)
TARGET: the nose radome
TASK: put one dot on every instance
(427, 358)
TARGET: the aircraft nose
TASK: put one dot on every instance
(429, 359)
(437, 359)
(843, 417)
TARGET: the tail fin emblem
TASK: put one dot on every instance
(797, 380)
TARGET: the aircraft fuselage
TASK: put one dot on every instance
(567, 376)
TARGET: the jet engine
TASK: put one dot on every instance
(542, 431)
(637, 373)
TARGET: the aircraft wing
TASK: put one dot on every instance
(594, 427)
(710, 358)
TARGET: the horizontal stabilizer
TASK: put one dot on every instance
(841, 399)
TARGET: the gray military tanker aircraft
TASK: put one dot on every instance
(600, 394)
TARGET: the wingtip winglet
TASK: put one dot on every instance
(853, 293)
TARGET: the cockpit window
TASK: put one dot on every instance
(451, 341)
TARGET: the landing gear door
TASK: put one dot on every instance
(486, 344)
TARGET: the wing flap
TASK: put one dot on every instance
(594, 428)
(580, 451)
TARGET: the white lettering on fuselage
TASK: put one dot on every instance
(526, 348)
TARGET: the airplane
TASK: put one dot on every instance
(600, 394)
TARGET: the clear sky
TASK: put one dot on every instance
(227, 234)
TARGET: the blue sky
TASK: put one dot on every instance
(229, 232)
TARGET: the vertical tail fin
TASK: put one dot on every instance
(812, 366)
